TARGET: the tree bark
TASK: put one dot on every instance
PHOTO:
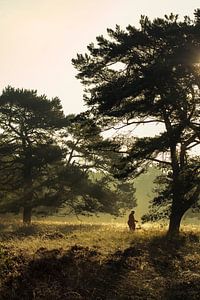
(27, 213)
(179, 207)
(177, 212)
(174, 226)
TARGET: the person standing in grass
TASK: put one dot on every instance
(132, 221)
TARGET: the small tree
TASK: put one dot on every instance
(89, 159)
(88, 193)
(151, 75)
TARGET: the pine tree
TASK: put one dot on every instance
(151, 75)
(28, 128)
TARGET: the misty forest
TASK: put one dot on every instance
(89, 208)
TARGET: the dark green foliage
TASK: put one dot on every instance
(28, 125)
(87, 155)
(151, 75)
(85, 147)
(45, 158)
(89, 192)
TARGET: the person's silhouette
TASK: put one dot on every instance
(132, 221)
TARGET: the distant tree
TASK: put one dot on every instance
(123, 190)
(151, 75)
(83, 193)
(88, 155)
(28, 146)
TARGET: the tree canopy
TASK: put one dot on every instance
(151, 75)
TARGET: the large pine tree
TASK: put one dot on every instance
(151, 75)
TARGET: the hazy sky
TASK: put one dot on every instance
(40, 37)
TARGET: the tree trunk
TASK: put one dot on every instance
(177, 209)
(27, 213)
(174, 226)
(28, 196)
(175, 221)
(27, 207)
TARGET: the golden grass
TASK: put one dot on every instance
(105, 237)
(65, 260)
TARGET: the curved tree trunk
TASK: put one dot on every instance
(178, 210)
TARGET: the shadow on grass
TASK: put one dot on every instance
(182, 280)
(75, 274)
(151, 270)
(79, 273)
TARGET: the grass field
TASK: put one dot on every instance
(54, 260)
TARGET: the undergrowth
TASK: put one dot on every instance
(85, 261)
